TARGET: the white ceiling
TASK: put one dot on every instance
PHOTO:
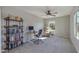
(39, 10)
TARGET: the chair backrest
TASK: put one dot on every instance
(40, 32)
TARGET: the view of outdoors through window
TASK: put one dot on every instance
(77, 24)
(51, 27)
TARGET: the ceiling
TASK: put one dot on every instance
(40, 10)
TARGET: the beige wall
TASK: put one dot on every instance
(62, 26)
(29, 19)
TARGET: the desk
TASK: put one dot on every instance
(29, 35)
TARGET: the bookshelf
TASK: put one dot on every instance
(13, 33)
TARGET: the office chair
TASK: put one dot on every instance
(38, 40)
(39, 33)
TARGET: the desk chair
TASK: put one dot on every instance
(37, 40)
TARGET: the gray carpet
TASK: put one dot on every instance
(49, 45)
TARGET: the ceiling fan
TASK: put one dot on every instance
(48, 12)
(51, 12)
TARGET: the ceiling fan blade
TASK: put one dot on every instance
(53, 15)
(44, 11)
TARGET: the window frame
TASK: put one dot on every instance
(75, 28)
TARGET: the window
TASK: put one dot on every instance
(51, 27)
(77, 25)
